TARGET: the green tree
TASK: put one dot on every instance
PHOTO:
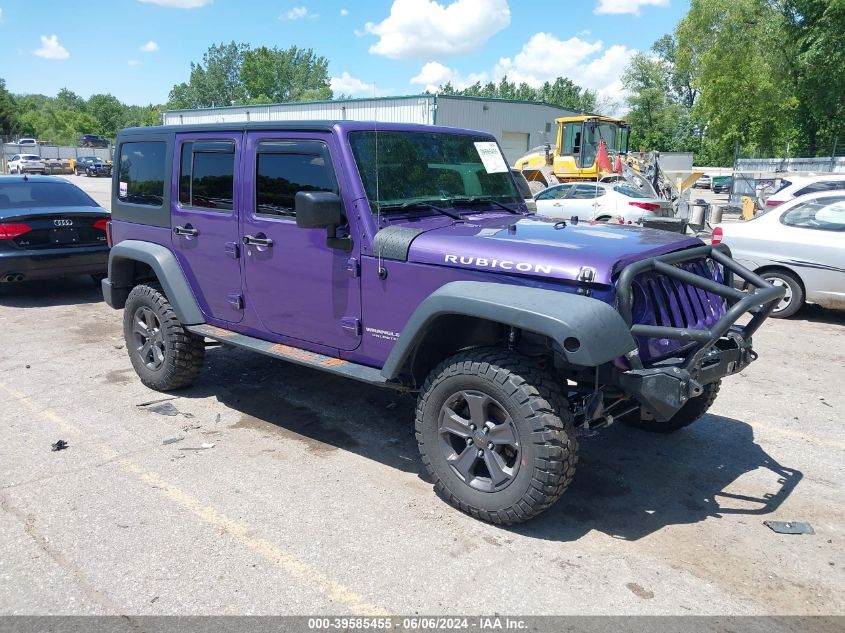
(109, 112)
(214, 81)
(291, 74)
(743, 68)
(8, 111)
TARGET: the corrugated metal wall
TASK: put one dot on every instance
(493, 116)
(400, 110)
(498, 117)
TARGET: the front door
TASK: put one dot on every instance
(296, 285)
(204, 213)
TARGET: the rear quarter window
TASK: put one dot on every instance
(141, 173)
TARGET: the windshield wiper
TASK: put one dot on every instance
(421, 205)
(480, 200)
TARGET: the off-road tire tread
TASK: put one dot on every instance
(547, 409)
(689, 413)
(187, 350)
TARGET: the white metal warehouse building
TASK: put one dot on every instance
(518, 125)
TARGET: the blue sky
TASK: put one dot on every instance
(137, 49)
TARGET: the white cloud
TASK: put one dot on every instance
(180, 4)
(133, 62)
(344, 12)
(420, 28)
(434, 75)
(589, 64)
(149, 47)
(297, 13)
(627, 6)
(348, 85)
(51, 49)
(544, 58)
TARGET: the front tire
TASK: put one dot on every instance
(794, 298)
(164, 354)
(689, 413)
(496, 436)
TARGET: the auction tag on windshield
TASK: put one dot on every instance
(124, 189)
(491, 157)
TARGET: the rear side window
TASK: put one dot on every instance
(285, 168)
(206, 175)
(141, 173)
(584, 192)
(819, 187)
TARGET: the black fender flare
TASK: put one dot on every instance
(588, 331)
(163, 263)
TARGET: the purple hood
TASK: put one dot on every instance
(532, 246)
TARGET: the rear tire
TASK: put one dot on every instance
(496, 435)
(794, 299)
(689, 413)
(164, 354)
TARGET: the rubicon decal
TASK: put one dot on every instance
(501, 264)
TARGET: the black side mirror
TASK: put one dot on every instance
(322, 210)
(317, 209)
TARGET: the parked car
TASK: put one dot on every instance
(403, 256)
(49, 228)
(92, 166)
(799, 246)
(722, 184)
(93, 140)
(524, 189)
(27, 141)
(796, 186)
(605, 202)
(704, 181)
(26, 164)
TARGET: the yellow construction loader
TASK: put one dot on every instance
(574, 153)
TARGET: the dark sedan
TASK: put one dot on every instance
(92, 166)
(49, 228)
(722, 185)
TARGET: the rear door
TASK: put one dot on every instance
(586, 201)
(204, 217)
(297, 285)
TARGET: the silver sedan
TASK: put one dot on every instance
(799, 245)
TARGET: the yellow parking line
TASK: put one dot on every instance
(278, 556)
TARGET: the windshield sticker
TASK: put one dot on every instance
(491, 157)
(124, 189)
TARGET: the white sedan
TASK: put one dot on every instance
(606, 202)
(799, 245)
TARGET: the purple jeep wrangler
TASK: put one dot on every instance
(404, 256)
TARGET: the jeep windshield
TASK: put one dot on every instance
(419, 170)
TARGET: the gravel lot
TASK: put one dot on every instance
(312, 499)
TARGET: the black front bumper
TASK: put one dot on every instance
(29, 265)
(664, 387)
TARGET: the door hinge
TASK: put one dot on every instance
(353, 267)
(236, 301)
(351, 324)
(232, 249)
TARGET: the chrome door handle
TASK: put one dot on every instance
(181, 230)
(251, 240)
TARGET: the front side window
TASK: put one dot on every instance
(206, 178)
(285, 168)
(826, 214)
(141, 173)
(399, 168)
(555, 193)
